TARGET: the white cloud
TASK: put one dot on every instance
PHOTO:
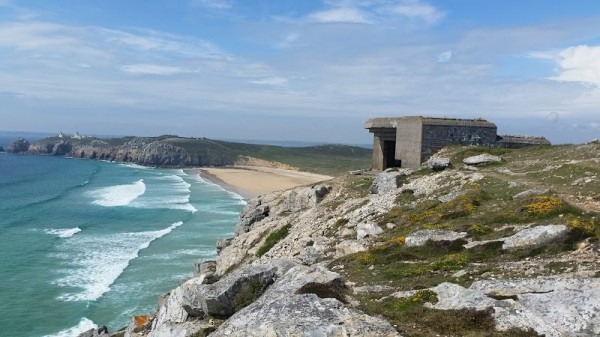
(151, 69)
(276, 81)
(339, 15)
(416, 9)
(151, 40)
(214, 4)
(579, 64)
(444, 57)
(377, 11)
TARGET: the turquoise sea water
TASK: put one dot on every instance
(87, 242)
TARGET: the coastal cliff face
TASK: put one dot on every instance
(495, 244)
(174, 151)
(155, 152)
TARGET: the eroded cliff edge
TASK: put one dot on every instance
(165, 151)
(495, 244)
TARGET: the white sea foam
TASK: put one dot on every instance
(63, 232)
(135, 166)
(170, 192)
(174, 256)
(95, 262)
(84, 325)
(118, 195)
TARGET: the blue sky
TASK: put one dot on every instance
(298, 70)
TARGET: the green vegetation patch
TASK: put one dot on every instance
(412, 319)
(272, 239)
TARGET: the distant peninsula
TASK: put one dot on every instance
(169, 151)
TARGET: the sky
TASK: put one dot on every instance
(307, 70)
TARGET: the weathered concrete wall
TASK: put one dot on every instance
(409, 137)
(516, 142)
(379, 136)
(435, 137)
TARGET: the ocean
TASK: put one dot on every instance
(85, 243)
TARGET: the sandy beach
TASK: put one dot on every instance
(251, 181)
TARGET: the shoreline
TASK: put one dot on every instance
(252, 181)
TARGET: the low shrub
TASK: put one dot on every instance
(272, 239)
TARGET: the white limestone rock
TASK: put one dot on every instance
(387, 182)
(367, 230)
(292, 307)
(195, 299)
(420, 238)
(303, 197)
(185, 329)
(438, 163)
(534, 236)
(348, 247)
(483, 158)
(172, 309)
(555, 307)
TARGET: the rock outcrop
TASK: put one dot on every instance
(307, 301)
(20, 145)
(554, 307)
(534, 236)
(420, 238)
(481, 159)
(438, 163)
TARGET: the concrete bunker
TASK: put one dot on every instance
(409, 141)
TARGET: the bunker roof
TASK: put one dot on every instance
(392, 122)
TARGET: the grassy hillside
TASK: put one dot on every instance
(487, 210)
(324, 159)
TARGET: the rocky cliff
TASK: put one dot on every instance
(487, 244)
(157, 152)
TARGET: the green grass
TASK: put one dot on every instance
(272, 239)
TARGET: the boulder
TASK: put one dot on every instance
(438, 163)
(194, 299)
(348, 247)
(208, 269)
(304, 302)
(1, 149)
(534, 236)
(387, 182)
(420, 238)
(483, 158)
(172, 309)
(367, 230)
(554, 307)
(18, 146)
